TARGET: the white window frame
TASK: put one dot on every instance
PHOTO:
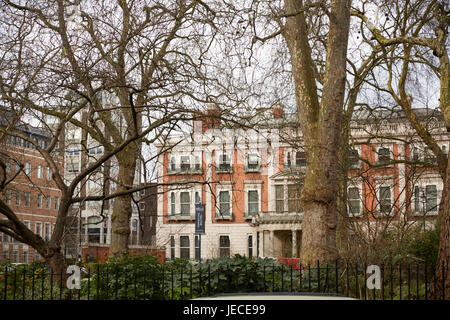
(247, 158)
(39, 200)
(422, 183)
(360, 194)
(358, 149)
(381, 146)
(229, 239)
(49, 174)
(218, 215)
(27, 168)
(188, 247)
(378, 197)
(36, 224)
(40, 172)
(247, 189)
(219, 162)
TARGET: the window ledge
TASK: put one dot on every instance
(224, 170)
(248, 216)
(179, 217)
(218, 216)
(252, 169)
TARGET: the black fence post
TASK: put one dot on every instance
(273, 277)
(171, 280)
(181, 284)
(443, 280)
(89, 283)
(300, 276)
(318, 275)
(291, 279)
(51, 284)
(282, 277)
(417, 281)
(336, 266)
(382, 282)
(117, 282)
(364, 280)
(348, 278)
(392, 281)
(107, 282)
(135, 282)
(32, 283)
(42, 284)
(60, 284)
(98, 281)
(14, 287)
(6, 283)
(356, 280)
(400, 278)
(163, 284)
(409, 281)
(23, 282)
(309, 277)
(326, 289)
(209, 279)
(190, 285)
(264, 276)
(426, 281)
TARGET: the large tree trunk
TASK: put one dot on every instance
(122, 210)
(320, 123)
(441, 283)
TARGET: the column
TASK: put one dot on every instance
(294, 243)
(272, 243)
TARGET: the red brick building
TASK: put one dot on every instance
(32, 194)
(250, 181)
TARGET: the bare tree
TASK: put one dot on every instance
(405, 31)
(151, 59)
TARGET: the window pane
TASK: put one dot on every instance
(353, 158)
(384, 155)
(184, 247)
(253, 203)
(294, 198)
(300, 159)
(416, 199)
(354, 204)
(224, 202)
(224, 244)
(431, 200)
(385, 199)
(279, 194)
(185, 203)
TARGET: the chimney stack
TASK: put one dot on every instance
(278, 110)
(212, 118)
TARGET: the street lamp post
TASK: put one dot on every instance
(424, 200)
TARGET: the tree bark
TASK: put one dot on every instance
(122, 209)
(440, 285)
(320, 123)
